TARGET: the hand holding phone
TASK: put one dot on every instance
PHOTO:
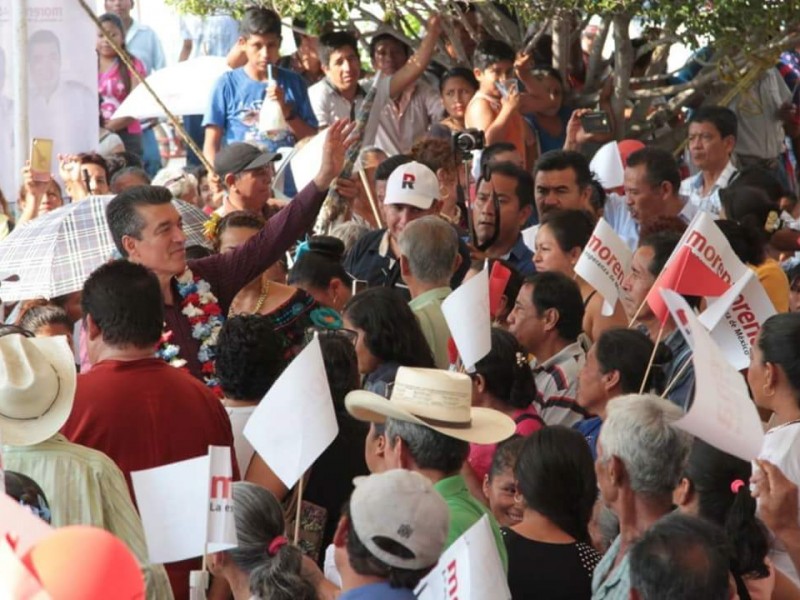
(596, 122)
(41, 158)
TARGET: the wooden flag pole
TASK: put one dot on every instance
(678, 375)
(652, 356)
(298, 509)
(372, 203)
(637, 313)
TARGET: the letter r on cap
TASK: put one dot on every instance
(408, 181)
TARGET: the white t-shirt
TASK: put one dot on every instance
(239, 415)
(782, 448)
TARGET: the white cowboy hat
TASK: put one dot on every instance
(440, 400)
(37, 387)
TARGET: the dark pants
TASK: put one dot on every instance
(193, 124)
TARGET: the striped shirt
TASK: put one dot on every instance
(85, 487)
(557, 386)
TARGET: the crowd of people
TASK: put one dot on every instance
(563, 436)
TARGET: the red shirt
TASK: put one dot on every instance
(145, 414)
(481, 455)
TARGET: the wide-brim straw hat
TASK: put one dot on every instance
(440, 400)
(37, 387)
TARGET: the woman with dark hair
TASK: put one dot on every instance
(500, 486)
(264, 564)
(115, 82)
(715, 486)
(503, 381)
(615, 365)
(560, 241)
(774, 380)
(549, 555)
(389, 336)
(290, 309)
(457, 87)
(758, 218)
(319, 271)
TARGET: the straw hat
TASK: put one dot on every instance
(440, 400)
(37, 387)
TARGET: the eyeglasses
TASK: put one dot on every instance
(348, 334)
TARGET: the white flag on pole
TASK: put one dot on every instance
(470, 569)
(722, 413)
(187, 506)
(466, 311)
(603, 264)
(607, 165)
(735, 319)
(296, 421)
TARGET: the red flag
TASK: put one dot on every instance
(687, 275)
(498, 280)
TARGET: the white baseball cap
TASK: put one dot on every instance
(401, 507)
(413, 184)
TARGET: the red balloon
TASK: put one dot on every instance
(80, 562)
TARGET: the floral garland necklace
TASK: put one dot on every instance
(202, 309)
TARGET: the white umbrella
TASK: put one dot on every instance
(184, 88)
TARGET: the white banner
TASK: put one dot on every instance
(735, 319)
(221, 521)
(466, 311)
(63, 100)
(470, 569)
(295, 421)
(604, 263)
(722, 413)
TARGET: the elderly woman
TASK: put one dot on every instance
(641, 457)
(181, 185)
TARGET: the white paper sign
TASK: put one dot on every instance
(295, 421)
(604, 263)
(221, 521)
(21, 524)
(466, 311)
(304, 163)
(607, 165)
(17, 581)
(173, 502)
(735, 319)
(470, 569)
(722, 413)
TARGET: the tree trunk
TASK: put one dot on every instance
(595, 67)
(561, 44)
(623, 64)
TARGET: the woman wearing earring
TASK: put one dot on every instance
(319, 272)
(291, 309)
(774, 380)
(560, 241)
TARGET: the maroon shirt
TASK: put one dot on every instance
(144, 414)
(230, 272)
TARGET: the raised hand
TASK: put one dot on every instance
(337, 142)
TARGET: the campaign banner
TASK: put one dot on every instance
(702, 264)
(470, 569)
(221, 518)
(722, 413)
(63, 102)
(736, 317)
(604, 263)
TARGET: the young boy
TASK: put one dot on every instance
(493, 112)
(233, 113)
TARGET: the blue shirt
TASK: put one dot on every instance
(590, 428)
(521, 257)
(378, 591)
(549, 142)
(236, 104)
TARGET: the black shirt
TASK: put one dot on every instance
(552, 571)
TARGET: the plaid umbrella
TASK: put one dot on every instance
(54, 254)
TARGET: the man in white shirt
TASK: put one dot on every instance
(712, 139)
(652, 181)
(340, 94)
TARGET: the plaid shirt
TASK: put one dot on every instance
(557, 386)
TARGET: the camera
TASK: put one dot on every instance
(468, 140)
(596, 122)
